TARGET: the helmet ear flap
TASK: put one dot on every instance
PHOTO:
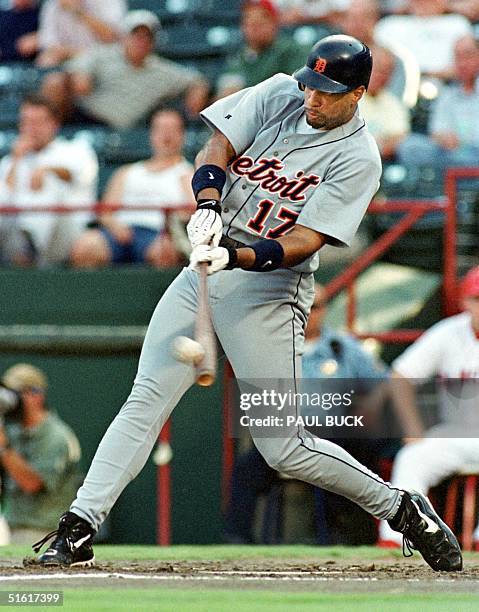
(301, 86)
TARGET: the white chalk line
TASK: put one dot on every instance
(210, 575)
(245, 576)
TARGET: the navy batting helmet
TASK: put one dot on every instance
(336, 64)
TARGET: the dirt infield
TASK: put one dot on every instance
(347, 576)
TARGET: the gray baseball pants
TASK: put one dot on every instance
(259, 320)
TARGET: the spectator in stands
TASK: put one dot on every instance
(18, 27)
(68, 27)
(264, 53)
(468, 8)
(387, 116)
(360, 21)
(448, 351)
(39, 456)
(312, 11)
(42, 170)
(429, 32)
(120, 84)
(338, 358)
(453, 138)
(141, 236)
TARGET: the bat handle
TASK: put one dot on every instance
(204, 278)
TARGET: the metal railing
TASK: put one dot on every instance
(412, 210)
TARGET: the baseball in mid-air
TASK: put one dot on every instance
(187, 350)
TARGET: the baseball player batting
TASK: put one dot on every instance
(290, 166)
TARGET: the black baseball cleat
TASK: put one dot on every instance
(72, 546)
(425, 532)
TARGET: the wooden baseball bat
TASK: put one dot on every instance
(204, 333)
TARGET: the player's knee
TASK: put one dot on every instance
(90, 251)
(271, 455)
(274, 462)
(279, 457)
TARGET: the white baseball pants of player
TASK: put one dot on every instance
(424, 464)
(259, 321)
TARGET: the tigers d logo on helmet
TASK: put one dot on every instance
(320, 65)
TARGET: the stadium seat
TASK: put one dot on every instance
(210, 67)
(16, 80)
(420, 114)
(421, 246)
(104, 175)
(167, 10)
(126, 146)
(194, 140)
(20, 77)
(6, 140)
(9, 106)
(188, 40)
(306, 35)
(218, 11)
(420, 183)
(468, 479)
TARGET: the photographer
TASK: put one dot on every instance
(39, 455)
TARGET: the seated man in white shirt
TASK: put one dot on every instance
(429, 32)
(449, 350)
(43, 170)
(137, 235)
(121, 84)
(453, 131)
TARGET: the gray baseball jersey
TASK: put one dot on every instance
(287, 172)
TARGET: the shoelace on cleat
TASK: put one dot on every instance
(408, 547)
(37, 546)
(62, 531)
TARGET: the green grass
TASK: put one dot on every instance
(252, 601)
(228, 552)
(219, 600)
(194, 600)
(222, 552)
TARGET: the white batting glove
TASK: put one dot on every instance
(216, 257)
(205, 227)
